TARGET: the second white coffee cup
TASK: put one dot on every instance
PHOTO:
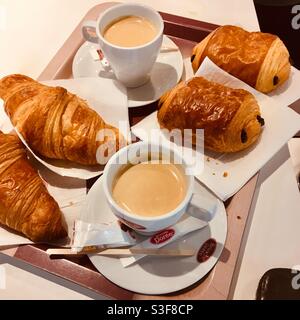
(131, 65)
(140, 152)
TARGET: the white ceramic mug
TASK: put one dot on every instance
(139, 152)
(132, 66)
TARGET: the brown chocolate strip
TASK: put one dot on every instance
(261, 120)
(244, 136)
(275, 80)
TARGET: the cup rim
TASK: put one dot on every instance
(184, 202)
(159, 34)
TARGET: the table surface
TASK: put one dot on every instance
(31, 32)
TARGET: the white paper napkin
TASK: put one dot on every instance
(225, 174)
(109, 99)
(289, 92)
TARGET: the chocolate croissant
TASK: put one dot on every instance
(230, 117)
(259, 59)
(57, 124)
(25, 204)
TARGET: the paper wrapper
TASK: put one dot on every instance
(109, 99)
(104, 235)
(225, 174)
(165, 237)
(98, 226)
(69, 193)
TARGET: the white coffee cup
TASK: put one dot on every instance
(131, 66)
(139, 152)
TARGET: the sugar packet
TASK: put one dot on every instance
(102, 234)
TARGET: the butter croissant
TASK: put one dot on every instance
(230, 117)
(25, 204)
(55, 123)
(259, 59)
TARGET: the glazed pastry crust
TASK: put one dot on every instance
(25, 204)
(275, 69)
(228, 116)
(56, 123)
(259, 59)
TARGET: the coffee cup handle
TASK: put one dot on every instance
(202, 207)
(89, 31)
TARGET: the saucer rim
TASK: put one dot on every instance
(134, 103)
(221, 212)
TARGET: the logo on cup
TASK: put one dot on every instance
(296, 18)
(162, 236)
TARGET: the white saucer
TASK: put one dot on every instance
(166, 72)
(157, 275)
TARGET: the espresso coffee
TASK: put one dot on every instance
(150, 189)
(131, 31)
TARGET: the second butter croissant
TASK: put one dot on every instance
(25, 204)
(55, 123)
(230, 117)
(259, 59)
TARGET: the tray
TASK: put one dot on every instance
(217, 284)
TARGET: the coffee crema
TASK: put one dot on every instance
(150, 189)
(130, 31)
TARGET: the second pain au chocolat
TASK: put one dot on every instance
(230, 117)
(259, 59)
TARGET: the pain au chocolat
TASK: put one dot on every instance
(259, 59)
(230, 118)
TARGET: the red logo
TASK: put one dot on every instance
(207, 250)
(162, 236)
